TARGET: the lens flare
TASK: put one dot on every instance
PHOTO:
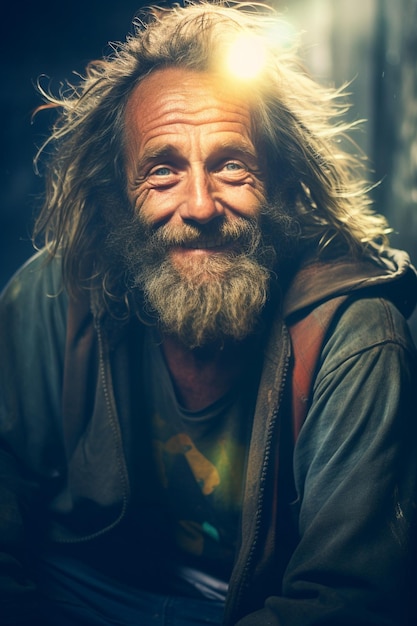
(246, 57)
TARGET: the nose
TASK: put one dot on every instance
(200, 204)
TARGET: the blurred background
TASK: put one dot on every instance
(372, 43)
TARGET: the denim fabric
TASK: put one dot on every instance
(76, 595)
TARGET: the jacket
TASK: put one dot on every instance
(327, 525)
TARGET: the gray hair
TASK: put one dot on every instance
(298, 130)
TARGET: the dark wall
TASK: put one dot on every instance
(395, 123)
(41, 38)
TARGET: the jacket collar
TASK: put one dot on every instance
(390, 273)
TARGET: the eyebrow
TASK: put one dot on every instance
(166, 152)
(157, 154)
(242, 147)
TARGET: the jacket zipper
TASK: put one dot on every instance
(238, 586)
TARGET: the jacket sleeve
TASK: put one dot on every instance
(32, 334)
(355, 465)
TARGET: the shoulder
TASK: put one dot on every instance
(363, 324)
(33, 318)
(33, 307)
(36, 287)
(368, 360)
(365, 383)
(39, 271)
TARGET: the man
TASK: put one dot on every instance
(192, 220)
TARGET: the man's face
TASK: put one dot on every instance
(195, 249)
(191, 160)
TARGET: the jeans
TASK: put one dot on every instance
(76, 595)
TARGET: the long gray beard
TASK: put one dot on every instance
(220, 296)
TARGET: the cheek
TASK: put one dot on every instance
(138, 200)
(245, 200)
(153, 207)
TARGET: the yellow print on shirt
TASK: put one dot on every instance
(204, 472)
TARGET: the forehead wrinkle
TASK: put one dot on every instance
(176, 108)
(172, 121)
(205, 106)
(175, 124)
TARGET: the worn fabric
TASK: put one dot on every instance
(327, 526)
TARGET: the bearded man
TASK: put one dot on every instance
(156, 466)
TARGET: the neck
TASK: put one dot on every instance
(203, 375)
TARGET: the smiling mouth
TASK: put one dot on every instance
(207, 244)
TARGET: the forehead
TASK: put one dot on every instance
(174, 101)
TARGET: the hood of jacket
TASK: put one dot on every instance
(390, 274)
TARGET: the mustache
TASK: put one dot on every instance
(241, 233)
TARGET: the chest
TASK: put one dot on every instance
(199, 458)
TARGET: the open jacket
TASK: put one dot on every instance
(327, 528)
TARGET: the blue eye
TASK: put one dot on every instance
(161, 171)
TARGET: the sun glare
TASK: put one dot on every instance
(246, 57)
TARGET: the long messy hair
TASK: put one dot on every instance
(299, 130)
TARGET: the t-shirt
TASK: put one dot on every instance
(199, 459)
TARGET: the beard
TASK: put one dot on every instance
(210, 298)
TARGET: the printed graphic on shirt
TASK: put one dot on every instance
(202, 482)
(204, 472)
